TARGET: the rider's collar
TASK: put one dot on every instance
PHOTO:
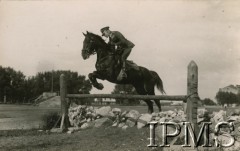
(111, 35)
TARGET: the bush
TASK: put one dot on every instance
(51, 119)
(208, 101)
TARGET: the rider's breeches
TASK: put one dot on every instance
(125, 54)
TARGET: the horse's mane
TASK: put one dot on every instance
(98, 37)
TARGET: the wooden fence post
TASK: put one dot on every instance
(192, 95)
(64, 104)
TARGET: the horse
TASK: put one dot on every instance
(108, 67)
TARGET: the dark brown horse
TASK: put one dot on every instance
(108, 68)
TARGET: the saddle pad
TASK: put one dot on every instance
(130, 64)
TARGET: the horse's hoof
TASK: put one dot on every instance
(150, 111)
(100, 86)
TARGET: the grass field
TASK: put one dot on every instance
(22, 116)
(100, 139)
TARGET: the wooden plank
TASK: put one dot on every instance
(124, 96)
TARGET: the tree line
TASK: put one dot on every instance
(15, 87)
(227, 98)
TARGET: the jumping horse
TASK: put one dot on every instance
(108, 67)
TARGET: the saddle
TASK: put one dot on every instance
(129, 63)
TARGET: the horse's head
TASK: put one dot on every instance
(90, 44)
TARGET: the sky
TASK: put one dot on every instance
(38, 36)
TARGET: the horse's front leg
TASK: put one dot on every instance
(93, 78)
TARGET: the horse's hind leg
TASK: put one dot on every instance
(93, 78)
(157, 103)
(150, 91)
(141, 91)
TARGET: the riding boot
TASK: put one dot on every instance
(124, 75)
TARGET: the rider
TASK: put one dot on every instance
(117, 39)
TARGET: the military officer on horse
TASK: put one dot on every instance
(143, 79)
(124, 45)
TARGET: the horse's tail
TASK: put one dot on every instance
(158, 82)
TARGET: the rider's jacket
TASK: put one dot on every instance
(116, 38)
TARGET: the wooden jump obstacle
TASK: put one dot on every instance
(191, 98)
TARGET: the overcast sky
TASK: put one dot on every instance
(44, 35)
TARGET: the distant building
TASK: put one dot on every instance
(45, 96)
(104, 101)
(49, 94)
(177, 103)
(231, 89)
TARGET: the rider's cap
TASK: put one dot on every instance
(103, 29)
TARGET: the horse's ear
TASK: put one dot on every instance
(84, 34)
(87, 32)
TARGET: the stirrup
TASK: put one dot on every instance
(124, 74)
(121, 75)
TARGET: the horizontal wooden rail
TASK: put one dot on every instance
(128, 96)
